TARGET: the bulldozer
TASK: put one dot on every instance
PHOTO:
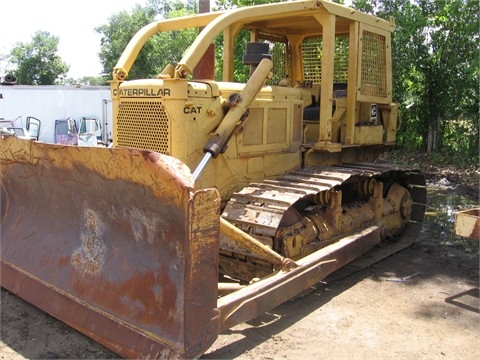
(218, 200)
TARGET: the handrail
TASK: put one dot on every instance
(124, 64)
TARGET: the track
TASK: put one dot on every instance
(262, 209)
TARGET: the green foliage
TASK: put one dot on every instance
(410, 134)
(37, 62)
(365, 6)
(460, 137)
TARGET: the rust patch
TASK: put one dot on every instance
(90, 256)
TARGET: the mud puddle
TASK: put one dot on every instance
(443, 202)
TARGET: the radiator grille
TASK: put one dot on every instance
(143, 125)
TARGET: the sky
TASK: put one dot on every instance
(73, 21)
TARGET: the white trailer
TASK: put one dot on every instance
(50, 103)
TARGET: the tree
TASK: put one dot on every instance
(37, 62)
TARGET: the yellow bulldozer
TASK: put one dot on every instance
(218, 200)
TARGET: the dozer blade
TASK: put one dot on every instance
(113, 242)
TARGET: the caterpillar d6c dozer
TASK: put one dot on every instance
(218, 200)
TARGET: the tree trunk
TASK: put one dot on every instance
(433, 135)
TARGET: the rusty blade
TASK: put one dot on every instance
(114, 242)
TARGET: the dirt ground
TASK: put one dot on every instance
(422, 303)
